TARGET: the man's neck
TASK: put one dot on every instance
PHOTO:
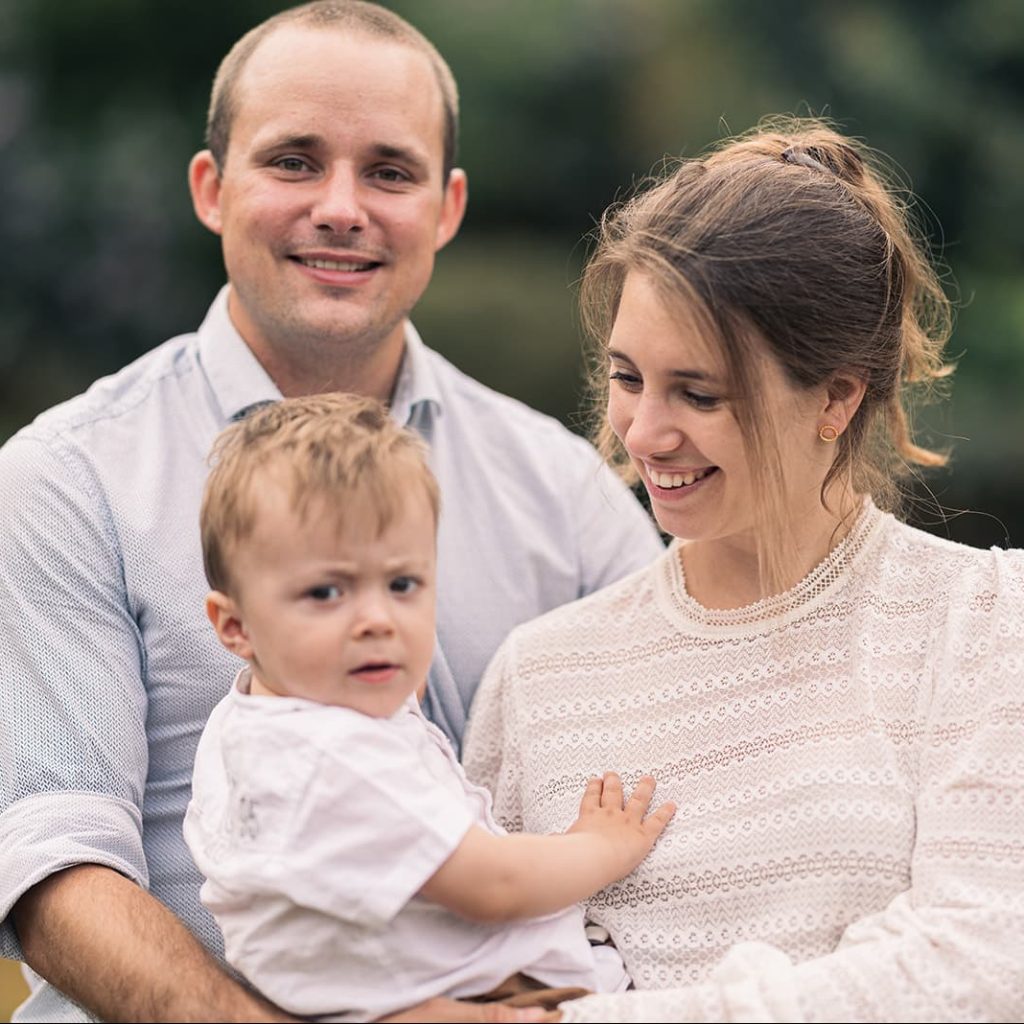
(375, 377)
(321, 363)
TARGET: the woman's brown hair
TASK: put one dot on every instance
(788, 236)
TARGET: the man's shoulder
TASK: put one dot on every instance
(496, 414)
(118, 395)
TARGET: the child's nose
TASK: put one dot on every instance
(373, 616)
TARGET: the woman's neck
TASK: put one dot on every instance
(726, 573)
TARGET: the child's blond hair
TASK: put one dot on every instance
(332, 446)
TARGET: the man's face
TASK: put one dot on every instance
(330, 204)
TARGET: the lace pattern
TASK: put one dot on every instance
(818, 585)
(850, 781)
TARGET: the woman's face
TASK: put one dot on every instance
(668, 404)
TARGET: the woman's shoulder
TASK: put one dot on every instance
(940, 565)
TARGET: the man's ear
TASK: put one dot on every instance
(456, 194)
(226, 618)
(204, 184)
(843, 396)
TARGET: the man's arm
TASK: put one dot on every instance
(74, 760)
(504, 878)
(123, 955)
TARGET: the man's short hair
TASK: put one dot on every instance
(334, 448)
(356, 16)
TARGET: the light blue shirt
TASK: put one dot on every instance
(108, 666)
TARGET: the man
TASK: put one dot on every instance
(331, 184)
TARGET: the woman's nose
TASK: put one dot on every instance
(652, 430)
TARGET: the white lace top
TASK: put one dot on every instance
(848, 763)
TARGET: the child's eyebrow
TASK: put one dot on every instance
(412, 562)
(342, 571)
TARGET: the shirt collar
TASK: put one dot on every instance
(236, 377)
(239, 381)
(417, 395)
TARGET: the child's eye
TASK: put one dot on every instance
(404, 584)
(325, 592)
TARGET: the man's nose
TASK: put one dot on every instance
(339, 205)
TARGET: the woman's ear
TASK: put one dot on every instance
(226, 617)
(843, 396)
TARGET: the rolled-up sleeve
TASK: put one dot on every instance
(73, 752)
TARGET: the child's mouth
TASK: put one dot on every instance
(375, 672)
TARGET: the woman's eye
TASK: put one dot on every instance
(326, 592)
(703, 402)
(629, 381)
(404, 584)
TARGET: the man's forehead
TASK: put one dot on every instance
(312, 63)
(330, 50)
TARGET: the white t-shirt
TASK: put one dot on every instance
(316, 827)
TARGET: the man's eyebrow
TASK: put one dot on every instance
(402, 154)
(682, 374)
(303, 142)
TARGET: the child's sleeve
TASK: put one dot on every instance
(371, 826)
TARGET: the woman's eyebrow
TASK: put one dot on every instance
(700, 375)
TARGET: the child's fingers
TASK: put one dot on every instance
(655, 822)
(591, 800)
(611, 791)
(640, 798)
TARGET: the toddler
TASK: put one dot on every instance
(351, 866)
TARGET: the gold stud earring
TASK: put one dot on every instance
(828, 433)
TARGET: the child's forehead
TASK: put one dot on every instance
(284, 500)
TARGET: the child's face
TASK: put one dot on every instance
(341, 616)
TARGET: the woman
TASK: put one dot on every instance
(833, 699)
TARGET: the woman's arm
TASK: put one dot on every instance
(504, 878)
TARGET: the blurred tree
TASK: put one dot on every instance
(564, 106)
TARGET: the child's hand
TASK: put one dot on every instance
(625, 827)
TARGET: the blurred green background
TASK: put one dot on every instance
(565, 104)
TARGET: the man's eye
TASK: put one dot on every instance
(404, 584)
(291, 164)
(390, 174)
(327, 592)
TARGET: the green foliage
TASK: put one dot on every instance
(565, 105)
